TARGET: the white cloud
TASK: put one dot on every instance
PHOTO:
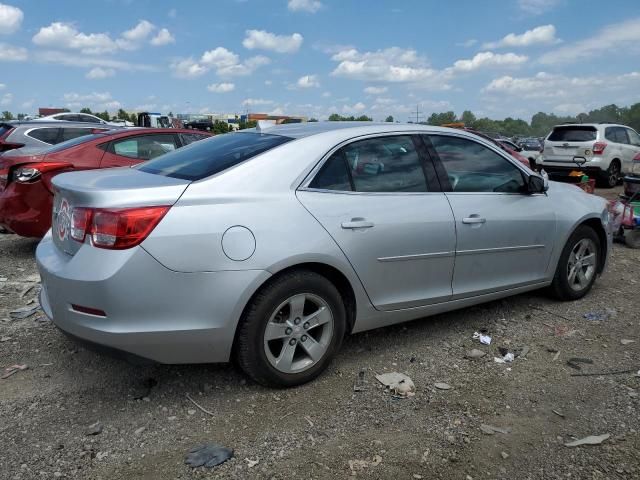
(537, 7)
(2, 86)
(221, 87)
(268, 83)
(617, 37)
(357, 108)
(251, 102)
(188, 68)
(375, 90)
(542, 35)
(9, 53)
(6, 100)
(489, 59)
(219, 58)
(163, 37)
(95, 100)
(310, 6)
(65, 35)
(140, 32)
(10, 19)
(28, 104)
(308, 81)
(277, 111)
(98, 73)
(82, 61)
(173, 13)
(263, 40)
(467, 43)
(326, 94)
(223, 61)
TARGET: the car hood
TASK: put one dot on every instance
(559, 189)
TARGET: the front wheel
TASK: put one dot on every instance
(578, 265)
(291, 330)
(611, 176)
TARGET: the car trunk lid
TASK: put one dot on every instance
(567, 142)
(115, 188)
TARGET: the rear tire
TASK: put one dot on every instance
(578, 265)
(610, 177)
(291, 330)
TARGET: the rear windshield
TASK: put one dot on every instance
(573, 134)
(208, 157)
(73, 142)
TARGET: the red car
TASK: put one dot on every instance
(25, 179)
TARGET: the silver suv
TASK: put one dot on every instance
(602, 150)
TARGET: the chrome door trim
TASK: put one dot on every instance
(418, 256)
(499, 249)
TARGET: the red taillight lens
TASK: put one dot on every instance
(598, 148)
(116, 229)
(637, 158)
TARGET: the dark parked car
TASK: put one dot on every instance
(38, 135)
(26, 193)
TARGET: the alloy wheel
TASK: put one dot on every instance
(298, 333)
(614, 174)
(582, 264)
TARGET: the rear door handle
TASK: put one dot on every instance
(474, 219)
(356, 223)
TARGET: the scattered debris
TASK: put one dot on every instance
(398, 383)
(308, 420)
(574, 362)
(26, 290)
(475, 353)
(626, 341)
(613, 372)
(556, 356)
(252, 463)
(484, 338)
(359, 384)
(523, 353)
(208, 456)
(601, 315)
(200, 406)
(490, 429)
(139, 431)
(507, 358)
(359, 465)
(504, 455)
(558, 413)
(94, 429)
(12, 370)
(590, 440)
(24, 312)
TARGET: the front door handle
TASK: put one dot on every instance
(475, 218)
(356, 223)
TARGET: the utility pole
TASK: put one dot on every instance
(419, 115)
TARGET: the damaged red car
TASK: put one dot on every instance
(26, 193)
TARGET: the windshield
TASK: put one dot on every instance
(208, 157)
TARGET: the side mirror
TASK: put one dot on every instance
(537, 184)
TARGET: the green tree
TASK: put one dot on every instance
(7, 115)
(389, 119)
(334, 117)
(468, 118)
(104, 116)
(86, 110)
(21, 116)
(220, 127)
(364, 118)
(441, 118)
(122, 115)
(312, 120)
(250, 124)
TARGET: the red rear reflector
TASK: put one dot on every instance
(598, 148)
(116, 229)
(91, 311)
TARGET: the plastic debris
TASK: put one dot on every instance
(560, 414)
(574, 362)
(398, 383)
(484, 339)
(360, 465)
(475, 353)
(590, 440)
(626, 341)
(442, 386)
(94, 429)
(490, 429)
(523, 353)
(24, 312)
(252, 463)
(208, 456)
(359, 384)
(508, 358)
(601, 315)
(12, 370)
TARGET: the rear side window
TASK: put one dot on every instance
(46, 135)
(71, 133)
(189, 138)
(144, 147)
(206, 158)
(616, 134)
(72, 143)
(573, 134)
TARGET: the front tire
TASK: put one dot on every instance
(578, 265)
(611, 177)
(291, 330)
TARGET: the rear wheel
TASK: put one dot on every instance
(291, 330)
(578, 265)
(611, 176)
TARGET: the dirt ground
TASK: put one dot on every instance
(326, 429)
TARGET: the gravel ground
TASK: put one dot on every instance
(326, 429)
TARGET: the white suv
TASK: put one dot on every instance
(602, 150)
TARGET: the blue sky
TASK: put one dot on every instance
(316, 57)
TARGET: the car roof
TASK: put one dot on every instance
(593, 124)
(302, 130)
(53, 123)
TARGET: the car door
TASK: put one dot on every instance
(504, 235)
(135, 149)
(380, 201)
(627, 140)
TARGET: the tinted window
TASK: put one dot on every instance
(72, 143)
(4, 128)
(46, 135)
(472, 167)
(188, 138)
(206, 158)
(144, 147)
(88, 119)
(333, 175)
(634, 138)
(573, 134)
(71, 133)
(385, 164)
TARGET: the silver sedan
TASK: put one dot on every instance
(269, 245)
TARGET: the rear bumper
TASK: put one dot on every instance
(25, 209)
(562, 171)
(151, 312)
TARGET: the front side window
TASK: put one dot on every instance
(472, 167)
(46, 135)
(381, 164)
(144, 147)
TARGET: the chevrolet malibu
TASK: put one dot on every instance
(268, 246)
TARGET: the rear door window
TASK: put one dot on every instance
(189, 138)
(71, 133)
(573, 133)
(46, 135)
(203, 159)
(144, 147)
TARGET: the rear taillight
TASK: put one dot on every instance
(30, 172)
(116, 229)
(598, 148)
